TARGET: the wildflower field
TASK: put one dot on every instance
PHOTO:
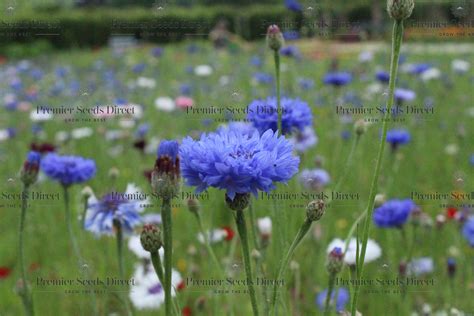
(89, 136)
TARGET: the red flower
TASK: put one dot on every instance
(230, 233)
(187, 311)
(4, 272)
(451, 212)
(181, 286)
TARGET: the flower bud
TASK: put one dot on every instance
(150, 238)
(400, 9)
(255, 254)
(379, 199)
(275, 39)
(113, 173)
(451, 267)
(87, 192)
(165, 178)
(194, 206)
(360, 127)
(240, 201)
(335, 261)
(29, 173)
(402, 268)
(315, 210)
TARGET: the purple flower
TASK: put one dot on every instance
(382, 76)
(262, 77)
(305, 84)
(228, 161)
(256, 61)
(337, 78)
(468, 231)
(314, 179)
(304, 140)
(244, 128)
(398, 137)
(157, 51)
(102, 215)
(68, 169)
(293, 5)
(418, 69)
(404, 95)
(291, 35)
(393, 213)
(296, 114)
(291, 51)
(341, 301)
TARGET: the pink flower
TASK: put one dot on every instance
(183, 102)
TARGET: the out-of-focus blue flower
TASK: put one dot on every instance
(398, 137)
(142, 130)
(472, 159)
(16, 84)
(314, 179)
(382, 76)
(157, 51)
(341, 301)
(293, 5)
(192, 48)
(68, 170)
(168, 148)
(244, 128)
(305, 83)
(296, 114)
(291, 35)
(404, 95)
(304, 140)
(346, 134)
(262, 77)
(420, 266)
(102, 215)
(337, 78)
(352, 98)
(291, 51)
(468, 231)
(228, 161)
(393, 213)
(256, 61)
(138, 68)
(418, 69)
(185, 89)
(33, 157)
(36, 74)
(61, 72)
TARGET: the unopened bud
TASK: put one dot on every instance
(379, 199)
(400, 9)
(113, 173)
(240, 201)
(150, 238)
(451, 267)
(165, 178)
(335, 261)
(256, 254)
(87, 192)
(275, 39)
(315, 210)
(29, 172)
(360, 127)
(193, 206)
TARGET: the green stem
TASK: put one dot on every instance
(284, 262)
(277, 73)
(168, 246)
(26, 295)
(348, 163)
(155, 259)
(327, 305)
(75, 247)
(253, 224)
(396, 44)
(119, 232)
(242, 228)
(208, 246)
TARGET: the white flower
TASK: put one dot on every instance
(264, 225)
(224, 80)
(61, 136)
(165, 104)
(135, 246)
(203, 70)
(148, 293)
(366, 56)
(39, 116)
(432, 73)
(4, 135)
(82, 132)
(460, 66)
(213, 236)
(451, 149)
(372, 253)
(374, 88)
(126, 123)
(144, 82)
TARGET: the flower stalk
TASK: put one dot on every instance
(396, 45)
(168, 246)
(26, 295)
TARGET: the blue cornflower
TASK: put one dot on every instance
(185, 89)
(68, 169)
(237, 164)
(16, 84)
(138, 68)
(314, 179)
(304, 140)
(262, 77)
(398, 137)
(472, 159)
(102, 215)
(337, 78)
(291, 35)
(418, 69)
(256, 61)
(296, 114)
(382, 76)
(305, 84)
(244, 128)
(33, 157)
(468, 231)
(157, 51)
(341, 301)
(293, 5)
(291, 51)
(142, 130)
(404, 95)
(393, 213)
(168, 148)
